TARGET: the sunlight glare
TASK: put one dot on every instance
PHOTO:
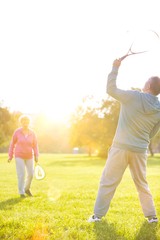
(53, 194)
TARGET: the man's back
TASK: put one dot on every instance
(139, 117)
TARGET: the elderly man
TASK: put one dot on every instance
(139, 121)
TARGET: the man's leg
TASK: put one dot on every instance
(111, 177)
(137, 165)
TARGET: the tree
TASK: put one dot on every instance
(93, 125)
(8, 123)
(52, 136)
(154, 146)
(109, 112)
(84, 129)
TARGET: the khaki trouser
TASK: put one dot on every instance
(117, 162)
(21, 164)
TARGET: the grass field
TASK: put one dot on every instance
(64, 200)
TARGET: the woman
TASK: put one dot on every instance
(24, 148)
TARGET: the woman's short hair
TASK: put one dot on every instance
(24, 117)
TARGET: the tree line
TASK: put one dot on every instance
(91, 129)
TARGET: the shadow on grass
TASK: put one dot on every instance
(152, 161)
(106, 231)
(79, 162)
(9, 203)
(147, 232)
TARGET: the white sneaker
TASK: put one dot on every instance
(153, 220)
(94, 219)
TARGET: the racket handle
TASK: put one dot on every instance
(122, 58)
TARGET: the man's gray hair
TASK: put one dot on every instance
(155, 85)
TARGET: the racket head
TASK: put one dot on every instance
(145, 41)
(39, 172)
(142, 42)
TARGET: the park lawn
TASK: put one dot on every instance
(64, 200)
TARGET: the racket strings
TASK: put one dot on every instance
(144, 43)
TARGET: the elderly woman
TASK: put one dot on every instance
(24, 148)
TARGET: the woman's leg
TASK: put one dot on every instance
(20, 168)
(30, 172)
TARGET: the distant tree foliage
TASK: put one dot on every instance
(94, 126)
(154, 146)
(110, 109)
(52, 137)
(91, 129)
(8, 123)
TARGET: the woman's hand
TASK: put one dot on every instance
(36, 159)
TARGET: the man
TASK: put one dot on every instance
(139, 120)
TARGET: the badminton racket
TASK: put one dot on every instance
(39, 172)
(144, 41)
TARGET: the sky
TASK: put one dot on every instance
(54, 53)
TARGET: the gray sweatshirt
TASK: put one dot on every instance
(139, 118)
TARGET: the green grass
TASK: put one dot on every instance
(64, 200)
